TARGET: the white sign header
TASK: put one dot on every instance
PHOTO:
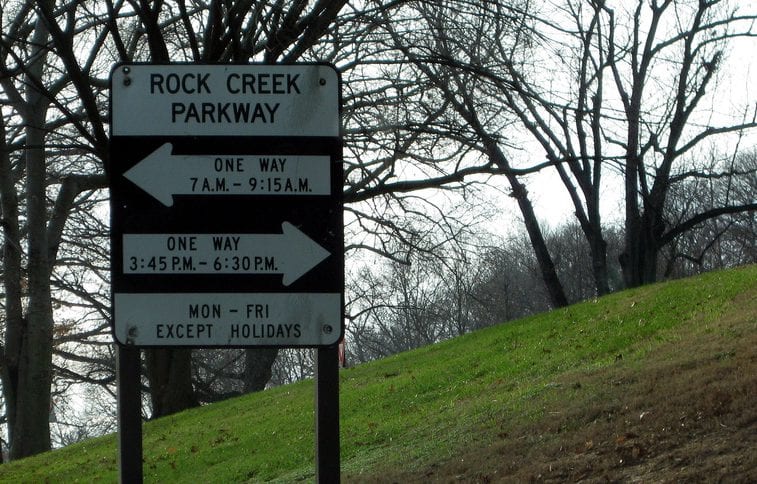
(225, 100)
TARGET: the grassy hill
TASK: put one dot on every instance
(655, 383)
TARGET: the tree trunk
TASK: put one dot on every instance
(169, 372)
(30, 427)
(15, 324)
(552, 283)
(599, 263)
(257, 368)
(632, 258)
(31, 379)
(639, 258)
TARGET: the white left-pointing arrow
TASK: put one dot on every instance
(163, 174)
(291, 253)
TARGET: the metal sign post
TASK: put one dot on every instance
(129, 414)
(226, 211)
(327, 454)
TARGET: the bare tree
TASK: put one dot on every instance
(597, 87)
(718, 242)
(446, 45)
(54, 60)
(37, 101)
(678, 49)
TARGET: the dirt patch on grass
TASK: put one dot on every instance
(686, 412)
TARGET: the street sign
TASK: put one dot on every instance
(226, 208)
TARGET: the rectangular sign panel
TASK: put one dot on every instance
(225, 100)
(163, 175)
(228, 319)
(289, 253)
(226, 205)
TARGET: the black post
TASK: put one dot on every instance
(327, 415)
(128, 382)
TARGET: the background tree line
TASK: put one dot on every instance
(442, 102)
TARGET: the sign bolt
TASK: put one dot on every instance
(322, 82)
(126, 70)
(131, 334)
(327, 328)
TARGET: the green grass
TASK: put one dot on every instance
(415, 408)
